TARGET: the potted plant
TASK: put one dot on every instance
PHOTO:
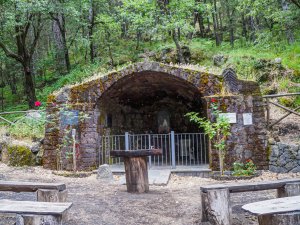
(217, 130)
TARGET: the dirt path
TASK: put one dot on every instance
(98, 203)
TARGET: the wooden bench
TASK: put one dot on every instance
(136, 169)
(280, 211)
(46, 192)
(216, 198)
(35, 213)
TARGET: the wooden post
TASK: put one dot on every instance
(136, 169)
(38, 220)
(44, 195)
(289, 190)
(268, 112)
(279, 219)
(136, 174)
(216, 207)
(204, 202)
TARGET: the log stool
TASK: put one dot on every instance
(136, 168)
(279, 211)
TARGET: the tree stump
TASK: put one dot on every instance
(216, 207)
(136, 168)
(38, 220)
(44, 195)
(289, 190)
(280, 219)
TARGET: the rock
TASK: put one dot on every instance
(34, 115)
(36, 147)
(219, 60)
(296, 170)
(277, 60)
(186, 52)
(104, 173)
(291, 165)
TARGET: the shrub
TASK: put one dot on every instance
(244, 169)
(20, 156)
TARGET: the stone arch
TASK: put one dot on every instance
(85, 97)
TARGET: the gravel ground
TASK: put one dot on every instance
(96, 202)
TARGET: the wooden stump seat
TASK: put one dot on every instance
(35, 213)
(216, 198)
(46, 192)
(280, 211)
(136, 168)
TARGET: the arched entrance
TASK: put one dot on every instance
(147, 109)
(145, 99)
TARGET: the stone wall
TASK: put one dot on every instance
(246, 141)
(284, 158)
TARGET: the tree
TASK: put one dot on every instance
(23, 17)
(57, 14)
(217, 130)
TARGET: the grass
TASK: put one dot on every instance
(243, 57)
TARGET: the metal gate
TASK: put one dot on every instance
(182, 149)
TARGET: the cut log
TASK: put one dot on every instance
(243, 187)
(38, 220)
(274, 206)
(289, 190)
(136, 174)
(280, 219)
(45, 195)
(17, 186)
(216, 206)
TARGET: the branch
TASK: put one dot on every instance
(9, 53)
(296, 3)
(37, 34)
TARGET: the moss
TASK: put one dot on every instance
(269, 152)
(51, 98)
(20, 156)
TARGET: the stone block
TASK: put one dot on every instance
(104, 173)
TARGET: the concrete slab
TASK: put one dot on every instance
(156, 177)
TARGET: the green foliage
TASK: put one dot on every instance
(20, 156)
(219, 130)
(241, 169)
(29, 127)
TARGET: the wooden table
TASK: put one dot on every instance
(136, 168)
(280, 211)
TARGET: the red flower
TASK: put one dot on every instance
(213, 100)
(37, 104)
(248, 160)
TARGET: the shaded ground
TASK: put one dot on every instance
(98, 203)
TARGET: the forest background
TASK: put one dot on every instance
(47, 44)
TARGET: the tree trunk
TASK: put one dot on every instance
(201, 25)
(29, 86)
(216, 25)
(178, 47)
(230, 19)
(289, 33)
(59, 32)
(91, 31)
(244, 27)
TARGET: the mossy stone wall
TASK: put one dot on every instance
(84, 98)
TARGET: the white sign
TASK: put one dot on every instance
(247, 118)
(230, 116)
